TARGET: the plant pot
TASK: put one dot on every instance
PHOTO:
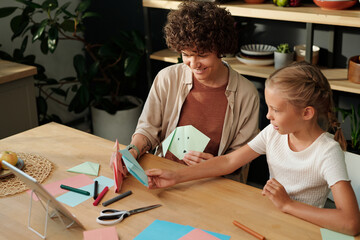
(354, 69)
(300, 52)
(283, 59)
(120, 125)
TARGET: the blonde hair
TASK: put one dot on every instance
(304, 85)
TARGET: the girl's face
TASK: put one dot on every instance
(204, 66)
(285, 117)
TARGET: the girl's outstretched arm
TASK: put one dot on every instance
(213, 167)
(345, 218)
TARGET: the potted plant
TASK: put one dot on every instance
(283, 56)
(354, 116)
(105, 74)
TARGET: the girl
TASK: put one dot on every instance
(304, 160)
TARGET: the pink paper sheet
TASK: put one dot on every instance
(198, 234)
(108, 233)
(77, 181)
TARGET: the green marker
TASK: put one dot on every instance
(75, 190)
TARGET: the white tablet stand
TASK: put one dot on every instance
(55, 213)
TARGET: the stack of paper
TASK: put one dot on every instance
(163, 230)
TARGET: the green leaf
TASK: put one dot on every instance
(50, 5)
(62, 8)
(83, 5)
(79, 65)
(18, 24)
(131, 65)
(29, 3)
(68, 25)
(68, 13)
(107, 50)
(94, 68)
(44, 45)
(90, 14)
(40, 30)
(52, 39)
(7, 11)
(138, 40)
(59, 91)
(68, 79)
(41, 105)
(24, 44)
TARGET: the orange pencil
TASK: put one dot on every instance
(248, 230)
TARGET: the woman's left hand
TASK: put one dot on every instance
(194, 157)
(276, 193)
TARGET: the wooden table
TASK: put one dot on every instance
(210, 204)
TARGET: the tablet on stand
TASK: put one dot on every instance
(44, 197)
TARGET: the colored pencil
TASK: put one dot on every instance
(248, 230)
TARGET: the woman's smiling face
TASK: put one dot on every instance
(204, 66)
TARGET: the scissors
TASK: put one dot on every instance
(119, 215)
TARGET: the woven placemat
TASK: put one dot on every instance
(36, 166)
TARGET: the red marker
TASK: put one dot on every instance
(101, 195)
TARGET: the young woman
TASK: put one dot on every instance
(304, 160)
(203, 91)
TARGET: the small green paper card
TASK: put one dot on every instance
(88, 168)
(184, 139)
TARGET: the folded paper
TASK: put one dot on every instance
(88, 168)
(118, 168)
(134, 167)
(184, 139)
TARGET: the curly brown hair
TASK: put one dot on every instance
(203, 26)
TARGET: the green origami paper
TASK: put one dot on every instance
(184, 139)
(88, 168)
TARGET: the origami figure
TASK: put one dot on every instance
(184, 139)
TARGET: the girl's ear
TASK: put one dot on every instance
(308, 113)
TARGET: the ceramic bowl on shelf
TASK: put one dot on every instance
(254, 61)
(257, 49)
(335, 4)
(354, 69)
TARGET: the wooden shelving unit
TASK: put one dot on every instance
(307, 13)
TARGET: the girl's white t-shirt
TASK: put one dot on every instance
(306, 175)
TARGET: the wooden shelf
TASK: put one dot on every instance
(336, 76)
(307, 13)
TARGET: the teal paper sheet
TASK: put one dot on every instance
(134, 167)
(164, 230)
(184, 139)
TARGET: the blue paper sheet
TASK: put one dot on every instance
(164, 230)
(134, 167)
(327, 234)
(72, 199)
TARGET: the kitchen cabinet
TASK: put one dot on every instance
(17, 98)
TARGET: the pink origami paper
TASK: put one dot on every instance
(119, 168)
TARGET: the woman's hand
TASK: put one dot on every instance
(276, 193)
(159, 178)
(194, 157)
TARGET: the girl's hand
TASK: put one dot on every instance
(276, 193)
(159, 178)
(194, 157)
